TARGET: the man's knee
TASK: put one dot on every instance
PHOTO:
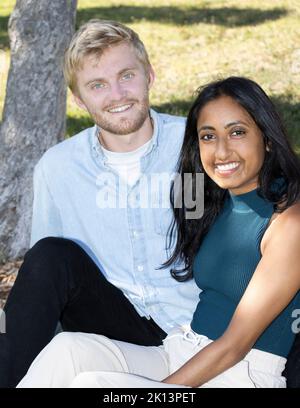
(48, 255)
(52, 246)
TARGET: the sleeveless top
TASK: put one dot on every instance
(224, 265)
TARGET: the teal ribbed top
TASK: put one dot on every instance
(224, 265)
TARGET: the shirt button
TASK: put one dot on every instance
(140, 268)
(135, 234)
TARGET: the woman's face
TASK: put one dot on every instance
(231, 145)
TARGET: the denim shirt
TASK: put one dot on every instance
(78, 196)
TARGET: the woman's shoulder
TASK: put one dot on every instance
(290, 216)
(283, 225)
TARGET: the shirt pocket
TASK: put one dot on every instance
(163, 218)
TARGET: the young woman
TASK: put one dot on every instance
(244, 253)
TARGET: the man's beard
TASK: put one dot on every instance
(125, 126)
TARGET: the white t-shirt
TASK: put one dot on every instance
(128, 164)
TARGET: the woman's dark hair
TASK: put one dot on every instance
(280, 163)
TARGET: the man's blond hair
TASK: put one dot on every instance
(93, 38)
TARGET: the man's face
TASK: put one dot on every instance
(114, 89)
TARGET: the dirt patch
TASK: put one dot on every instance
(8, 273)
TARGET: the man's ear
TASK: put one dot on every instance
(151, 77)
(79, 102)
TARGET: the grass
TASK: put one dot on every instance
(193, 42)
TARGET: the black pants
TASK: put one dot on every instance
(58, 281)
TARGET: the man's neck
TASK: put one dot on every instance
(127, 143)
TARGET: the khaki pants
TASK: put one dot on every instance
(93, 361)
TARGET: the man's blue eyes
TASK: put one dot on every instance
(100, 85)
(128, 76)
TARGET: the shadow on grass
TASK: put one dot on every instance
(289, 112)
(76, 125)
(4, 39)
(226, 16)
(176, 107)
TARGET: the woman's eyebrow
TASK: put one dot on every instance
(206, 127)
(237, 122)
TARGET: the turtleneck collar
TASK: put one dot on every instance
(250, 202)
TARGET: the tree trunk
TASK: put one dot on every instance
(34, 110)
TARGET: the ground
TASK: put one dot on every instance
(8, 273)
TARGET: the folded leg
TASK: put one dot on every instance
(70, 354)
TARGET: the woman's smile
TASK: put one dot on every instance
(227, 169)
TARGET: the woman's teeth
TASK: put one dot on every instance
(226, 167)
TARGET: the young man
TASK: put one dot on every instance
(101, 213)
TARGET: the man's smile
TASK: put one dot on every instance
(120, 108)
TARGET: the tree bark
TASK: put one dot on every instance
(34, 110)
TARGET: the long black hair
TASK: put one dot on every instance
(280, 163)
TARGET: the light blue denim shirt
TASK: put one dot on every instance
(78, 196)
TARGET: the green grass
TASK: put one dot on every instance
(193, 42)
